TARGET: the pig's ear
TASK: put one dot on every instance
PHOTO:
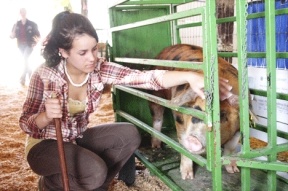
(184, 97)
(233, 100)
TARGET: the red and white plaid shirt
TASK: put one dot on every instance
(46, 80)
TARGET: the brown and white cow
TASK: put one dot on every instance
(191, 131)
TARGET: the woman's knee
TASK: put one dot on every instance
(96, 179)
(93, 176)
(132, 134)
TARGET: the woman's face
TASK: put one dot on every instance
(82, 56)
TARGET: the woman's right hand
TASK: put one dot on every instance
(53, 108)
(52, 111)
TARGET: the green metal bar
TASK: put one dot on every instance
(175, 145)
(263, 54)
(257, 164)
(250, 16)
(253, 54)
(281, 54)
(264, 129)
(184, 14)
(281, 11)
(226, 20)
(140, 7)
(271, 71)
(176, 29)
(166, 63)
(209, 136)
(157, 172)
(116, 103)
(145, 2)
(115, 3)
(262, 14)
(243, 75)
(163, 102)
(210, 58)
(271, 86)
(265, 151)
(197, 24)
(233, 19)
(243, 105)
(264, 93)
(175, 32)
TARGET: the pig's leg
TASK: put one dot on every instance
(186, 168)
(191, 143)
(230, 148)
(157, 112)
(186, 164)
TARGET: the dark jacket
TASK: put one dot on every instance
(31, 32)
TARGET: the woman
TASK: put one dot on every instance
(73, 72)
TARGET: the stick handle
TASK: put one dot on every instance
(61, 152)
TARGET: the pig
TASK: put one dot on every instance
(191, 131)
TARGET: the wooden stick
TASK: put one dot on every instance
(61, 152)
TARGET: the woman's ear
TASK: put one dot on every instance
(63, 53)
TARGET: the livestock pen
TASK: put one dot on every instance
(253, 37)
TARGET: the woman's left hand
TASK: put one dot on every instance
(224, 89)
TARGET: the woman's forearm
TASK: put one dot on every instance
(196, 82)
(42, 121)
(175, 78)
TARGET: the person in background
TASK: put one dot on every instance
(27, 34)
(73, 72)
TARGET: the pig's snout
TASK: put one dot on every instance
(195, 143)
(192, 144)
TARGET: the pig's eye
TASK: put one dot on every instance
(223, 116)
(179, 119)
(195, 120)
(180, 88)
(198, 108)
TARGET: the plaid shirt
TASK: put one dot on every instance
(46, 80)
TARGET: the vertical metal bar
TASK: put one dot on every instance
(209, 136)
(241, 11)
(271, 85)
(112, 13)
(243, 73)
(210, 59)
(116, 103)
(175, 32)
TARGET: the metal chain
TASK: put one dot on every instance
(244, 52)
(252, 123)
(209, 92)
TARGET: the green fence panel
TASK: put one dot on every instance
(140, 30)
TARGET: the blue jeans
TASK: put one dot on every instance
(26, 52)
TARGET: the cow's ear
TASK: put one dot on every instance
(186, 96)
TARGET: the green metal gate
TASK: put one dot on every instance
(140, 30)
